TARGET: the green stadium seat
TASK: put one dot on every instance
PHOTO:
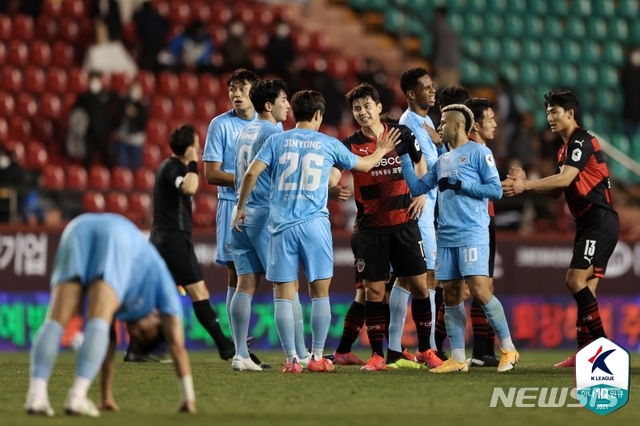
(610, 101)
(587, 75)
(581, 7)
(455, 6)
(634, 37)
(551, 49)
(601, 123)
(511, 49)
(576, 28)
(553, 28)
(487, 77)
(531, 50)
(368, 5)
(621, 142)
(608, 76)
(510, 71)
(571, 51)
(559, 8)
(518, 7)
(470, 72)
(597, 29)
(514, 26)
(491, 48)
(475, 6)
(397, 22)
(529, 73)
(567, 74)
(457, 22)
(618, 29)
(426, 44)
(627, 9)
(473, 24)
(472, 46)
(635, 146)
(591, 52)
(533, 26)
(587, 121)
(424, 7)
(548, 74)
(539, 8)
(496, 6)
(604, 8)
(613, 54)
(493, 25)
(540, 119)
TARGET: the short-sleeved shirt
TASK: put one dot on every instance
(301, 162)
(171, 207)
(220, 146)
(591, 188)
(382, 195)
(248, 144)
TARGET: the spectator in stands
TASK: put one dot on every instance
(108, 56)
(630, 84)
(280, 52)
(131, 133)
(101, 107)
(319, 79)
(510, 117)
(446, 53)
(11, 176)
(107, 12)
(151, 33)
(235, 49)
(191, 50)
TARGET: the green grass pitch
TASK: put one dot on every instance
(147, 395)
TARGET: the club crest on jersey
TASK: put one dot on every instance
(490, 160)
(576, 155)
(360, 265)
(463, 159)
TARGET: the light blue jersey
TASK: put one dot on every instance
(249, 142)
(220, 146)
(111, 247)
(301, 162)
(463, 218)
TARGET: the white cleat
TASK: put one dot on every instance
(38, 407)
(76, 406)
(304, 362)
(244, 364)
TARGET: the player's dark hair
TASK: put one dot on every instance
(465, 111)
(362, 91)
(266, 91)
(182, 138)
(562, 98)
(305, 103)
(242, 75)
(409, 79)
(478, 106)
(452, 95)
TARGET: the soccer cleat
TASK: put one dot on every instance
(451, 366)
(569, 362)
(483, 361)
(408, 356)
(508, 360)
(403, 363)
(304, 362)
(428, 357)
(244, 364)
(76, 406)
(227, 351)
(294, 367)
(322, 366)
(375, 363)
(443, 356)
(38, 407)
(347, 359)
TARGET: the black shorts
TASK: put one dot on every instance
(492, 246)
(402, 249)
(177, 251)
(596, 238)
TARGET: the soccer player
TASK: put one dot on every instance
(482, 131)
(220, 162)
(387, 234)
(583, 176)
(250, 247)
(107, 258)
(466, 177)
(300, 162)
(420, 93)
(176, 183)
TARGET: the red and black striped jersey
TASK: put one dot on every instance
(382, 195)
(591, 187)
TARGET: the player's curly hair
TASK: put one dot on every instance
(452, 95)
(465, 111)
(266, 91)
(182, 138)
(409, 79)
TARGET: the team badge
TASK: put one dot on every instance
(360, 265)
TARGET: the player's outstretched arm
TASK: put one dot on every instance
(106, 374)
(385, 145)
(173, 332)
(416, 185)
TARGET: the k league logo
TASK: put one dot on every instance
(602, 376)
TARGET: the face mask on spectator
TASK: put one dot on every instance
(5, 161)
(635, 58)
(95, 85)
(136, 94)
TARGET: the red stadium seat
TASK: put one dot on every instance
(188, 85)
(42, 129)
(3, 53)
(205, 109)
(117, 202)
(210, 86)
(179, 13)
(26, 106)
(5, 28)
(69, 30)
(147, 81)
(76, 179)
(56, 81)
(78, 80)
(11, 145)
(11, 79)
(46, 28)
(17, 53)
(73, 8)
(245, 13)
(157, 133)
(204, 210)
(35, 156)
(143, 180)
(68, 101)
(161, 108)
(53, 177)
(7, 104)
(4, 129)
(121, 179)
(168, 84)
(19, 128)
(50, 106)
(52, 8)
(99, 178)
(266, 18)
(93, 202)
(320, 42)
(39, 54)
(22, 27)
(62, 55)
(120, 83)
(258, 39)
(201, 9)
(221, 13)
(183, 109)
(151, 156)
(139, 207)
(34, 80)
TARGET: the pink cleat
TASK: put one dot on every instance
(346, 359)
(428, 357)
(294, 367)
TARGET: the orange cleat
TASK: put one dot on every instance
(375, 363)
(346, 359)
(428, 357)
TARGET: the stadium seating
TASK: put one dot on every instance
(93, 202)
(121, 179)
(76, 178)
(143, 180)
(53, 177)
(99, 178)
(117, 202)
(204, 210)
(139, 207)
